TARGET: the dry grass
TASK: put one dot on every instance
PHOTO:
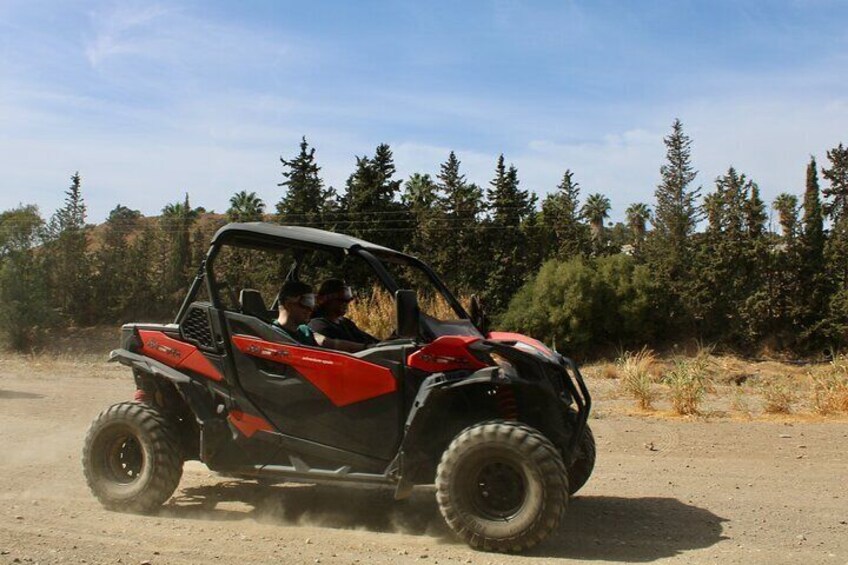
(778, 397)
(829, 388)
(637, 376)
(741, 402)
(687, 383)
(375, 312)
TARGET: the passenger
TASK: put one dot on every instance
(296, 303)
(329, 319)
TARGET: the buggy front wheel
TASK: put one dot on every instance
(502, 486)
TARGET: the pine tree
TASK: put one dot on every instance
(727, 269)
(509, 207)
(69, 267)
(782, 276)
(836, 194)
(564, 234)
(462, 205)
(370, 207)
(304, 202)
(669, 248)
(836, 248)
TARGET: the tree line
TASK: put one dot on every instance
(696, 263)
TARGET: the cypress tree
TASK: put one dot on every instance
(812, 236)
(811, 302)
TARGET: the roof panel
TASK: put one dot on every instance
(293, 234)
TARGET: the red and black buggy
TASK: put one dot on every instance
(497, 421)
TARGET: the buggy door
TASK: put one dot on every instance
(325, 396)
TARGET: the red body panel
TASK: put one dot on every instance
(447, 353)
(177, 354)
(344, 379)
(509, 336)
(248, 424)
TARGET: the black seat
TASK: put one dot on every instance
(252, 304)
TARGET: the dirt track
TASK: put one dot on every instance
(664, 491)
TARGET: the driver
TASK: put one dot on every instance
(296, 303)
(329, 319)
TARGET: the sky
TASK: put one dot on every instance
(149, 101)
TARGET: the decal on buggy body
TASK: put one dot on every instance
(343, 379)
(177, 354)
(447, 353)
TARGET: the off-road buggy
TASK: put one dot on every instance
(497, 421)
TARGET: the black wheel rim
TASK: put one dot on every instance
(124, 458)
(499, 490)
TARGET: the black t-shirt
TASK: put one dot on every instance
(343, 329)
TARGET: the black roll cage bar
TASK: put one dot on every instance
(205, 272)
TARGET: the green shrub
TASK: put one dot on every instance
(637, 379)
(583, 305)
(687, 384)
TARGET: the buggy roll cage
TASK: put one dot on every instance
(270, 237)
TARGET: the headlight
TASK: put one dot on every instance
(507, 368)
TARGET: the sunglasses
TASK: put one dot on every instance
(307, 301)
(345, 295)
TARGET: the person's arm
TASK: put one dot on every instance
(339, 344)
(361, 336)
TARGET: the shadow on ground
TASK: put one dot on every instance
(16, 394)
(595, 527)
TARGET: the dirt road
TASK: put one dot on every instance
(663, 491)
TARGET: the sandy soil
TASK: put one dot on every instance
(676, 491)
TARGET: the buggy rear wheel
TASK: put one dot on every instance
(502, 486)
(131, 458)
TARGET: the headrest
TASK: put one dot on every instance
(252, 304)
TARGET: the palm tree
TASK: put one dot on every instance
(245, 207)
(638, 215)
(786, 206)
(596, 210)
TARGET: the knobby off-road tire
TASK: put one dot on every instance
(502, 486)
(131, 458)
(581, 469)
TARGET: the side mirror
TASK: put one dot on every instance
(478, 315)
(408, 314)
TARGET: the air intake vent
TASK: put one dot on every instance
(196, 329)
